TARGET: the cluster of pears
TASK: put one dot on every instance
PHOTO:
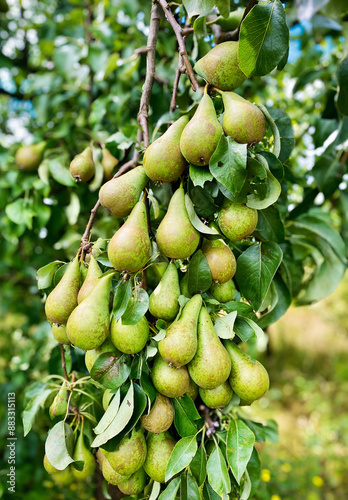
(82, 167)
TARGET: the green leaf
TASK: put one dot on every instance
(246, 487)
(192, 488)
(109, 415)
(185, 414)
(286, 132)
(181, 456)
(254, 471)
(283, 303)
(198, 465)
(342, 80)
(198, 7)
(110, 370)
(263, 39)
(45, 274)
(59, 445)
(73, 209)
(209, 493)
(224, 325)
(200, 175)
(60, 173)
(270, 226)
(240, 444)
(137, 307)
(259, 333)
(20, 212)
(156, 488)
(224, 7)
(122, 295)
(170, 492)
(217, 473)
(258, 202)
(33, 407)
(199, 275)
(195, 221)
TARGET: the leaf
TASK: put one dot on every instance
(200, 175)
(246, 488)
(198, 465)
(170, 492)
(217, 473)
(156, 488)
(185, 414)
(284, 301)
(136, 308)
(110, 370)
(181, 456)
(342, 80)
(32, 408)
(20, 212)
(270, 226)
(109, 415)
(240, 444)
(286, 132)
(224, 7)
(60, 173)
(59, 445)
(258, 202)
(199, 275)
(192, 488)
(45, 274)
(122, 295)
(195, 220)
(263, 39)
(260, 334)
(209, 493)
(198, 7)
(224, 325)
(254, 471)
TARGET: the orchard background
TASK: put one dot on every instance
(72, 73)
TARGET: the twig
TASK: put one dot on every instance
(210, 424)
(179, 69)
(225, 36)
(62, 354)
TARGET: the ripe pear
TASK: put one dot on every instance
(135, 484)
(223, 292)
(249, 379)
(120, 195)
(28, 158)
(159, 449)
(129, 339)
(109, 162)
(82, 167)
(193, 390)
(176, 237)
(236, 220)
(180, 343)
(168, 380)
(48, 466)
(60, 403)
(129, 248)
(211, 365)
(184, 286)
(160, 417)
(243, 121)
(82, 453)
(129, 455)
(88, 324)
(163, 160)
(59, 333)
(109, 474)
(92, 355)
(164, 299)
(218, 397)
(221, 261)
(202, 134)
(63, 298)
(92, 278)
(220, 67)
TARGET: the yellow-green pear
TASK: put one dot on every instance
(163, 160)
(180, 343)
(135, 484)
(60, 402)
(159, 449)
(129, 455)
(218, 397)
(202, 134)
(59, 333)
(48, 466)
(121, 194)
(243, 121)
(176, 237)
(221, 261)
(129, 339)
(82, 453)
(193, 390)
(109, 162)
(237, 221)
(130, 248)
(92, 278)
(82, 167)
(220, 67)
(223, 292)
(163, 301)
(211, 365)
(63, 298)
(160, 417)
(168, 380)
(92, 355)
(109, 474)
(28, 158)
(88, 324)
(184, 286)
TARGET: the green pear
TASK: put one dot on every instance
(160, 417)
(82, 453)
(129, 339)
(220, 67)
(63, 477)
(59, 333)
(109, 474)
(92, 278)
(129, 455)
(48, 466)
(243, 121)
(231, 22)
(249, 379)
(107, 396)
(164, 299)
(202, 134)
(63, 298)
(221, 261)
(60, 403)
(130, 248)
(236, 220)
(82, 167)
(28, 158)
(176, 237)
(135, 484)
(159, 449)
(223, 292)
(180, 343)
(88, 324)
(92, 355)
(109, 162)
(121, 194)
(193, 390)
(163, 160)
(218, 397)
(184, 286)
(211, 365)
(168, 380)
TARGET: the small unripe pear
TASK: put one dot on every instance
(92, 355)
(237, 221)
(135, 484)
(109, 162)
(218, 397)
(60, 403)
(168, 380)
(221, 261)
(82, 453)
(63, 477)
(59, 333)
(82, 167)
(129, 455)
(109, 474)
(223, 292)
(93, 274)
(164, 302)
(129, 339)
(161, 416)
(159, 449)
(48, 466)
(28, 158)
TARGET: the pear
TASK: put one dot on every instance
(28, 158)
(176, 237)
(193, 390)
(180, 343)
(82, 453)
(63, 298)
(129, 248)
(223, 292)
(59, 333)
(163, 160)
(221, 261)
(168, 380)
(243, 121)
(109, 474)
(109, 162)
(92, 278)
(218, 397)
(236, 220)
(160, 417)
(159, 449)
(129, 455)
(121, 194)
(88, 324)
(129, 339)
(48, 466)
(135, 484)
(184, 286)
(202, 134)
(249, 379)
(211, 365)
(82, 167)
(63, 477)
(164, 299)
(92, 355)
(231, 22)
(60, 403)
(220, 67)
